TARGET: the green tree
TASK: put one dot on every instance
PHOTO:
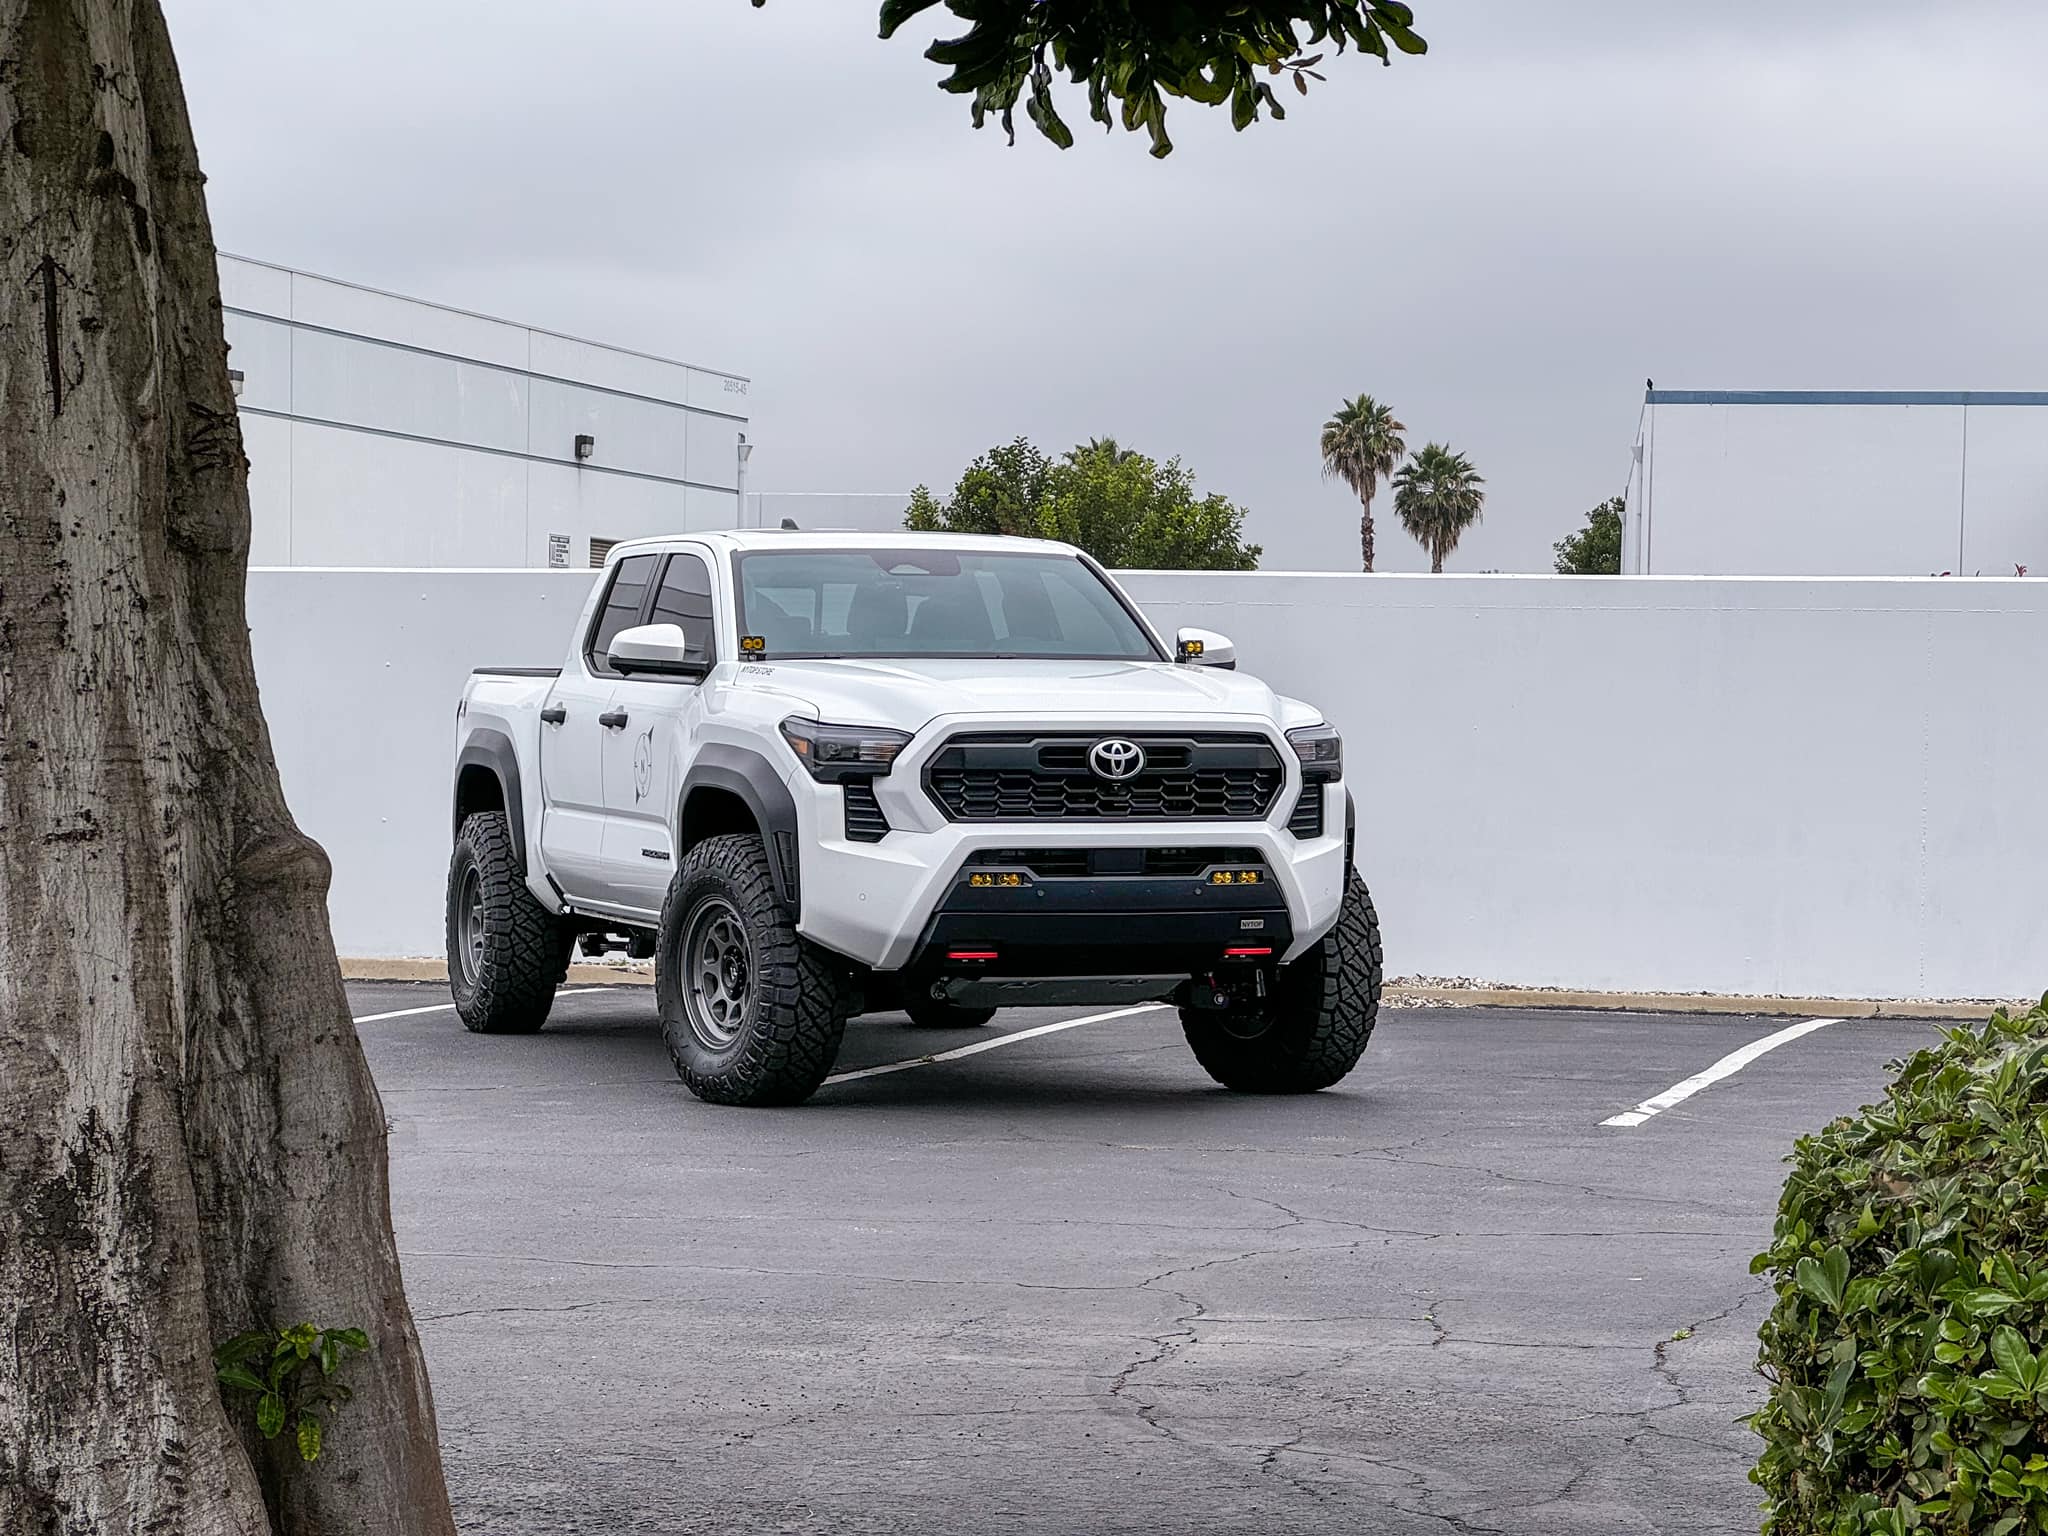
(1595, 550)
(1122, 507)
(1361, 445)
(1002, 491)
(1137, 53)
(1437, 496)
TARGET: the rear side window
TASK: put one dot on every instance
(684, 599)
(621, 609)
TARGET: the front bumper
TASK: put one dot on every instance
(895, 904)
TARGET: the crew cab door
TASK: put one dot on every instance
(573, 737)
(643, 757)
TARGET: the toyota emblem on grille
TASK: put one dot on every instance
(1116, 760)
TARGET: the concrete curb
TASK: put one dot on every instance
(1396, 995)
(1692, 1002)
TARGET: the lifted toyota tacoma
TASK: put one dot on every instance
(818, 775)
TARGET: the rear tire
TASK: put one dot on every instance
(506, 952)
(1312, 1029)
(752, 1013)
(930, 1013)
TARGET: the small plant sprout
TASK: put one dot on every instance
(290, 1373)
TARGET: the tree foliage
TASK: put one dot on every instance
(1595, 550)
(1437, 496)
(1908, 1349)
(1122, 507)
(1361, 445)
(1134, 54)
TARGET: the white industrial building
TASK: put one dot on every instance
(383, 431)
(1839, 483)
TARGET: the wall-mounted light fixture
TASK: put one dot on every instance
(235, 381)
(585, 445)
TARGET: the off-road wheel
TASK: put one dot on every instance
(751, 1012)
(1310, 1030)
(930, 1013)
(506, 952)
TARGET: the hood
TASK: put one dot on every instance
(909, 693)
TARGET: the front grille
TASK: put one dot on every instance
(1151, 863)
(1024, 778)
(1307, 818)
(865, 822)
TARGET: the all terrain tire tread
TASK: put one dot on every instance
(800, 1007)
(526, 947)
(1319, 1021)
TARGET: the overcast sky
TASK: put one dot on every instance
(1502, 239)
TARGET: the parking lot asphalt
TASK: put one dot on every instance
(1067, 1285)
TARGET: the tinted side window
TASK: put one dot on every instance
(621, 609)
(684, 598)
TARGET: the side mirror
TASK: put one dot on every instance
(1205, 648)
(654, 650)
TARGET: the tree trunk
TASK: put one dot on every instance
(190, 1142)
(1365, 531)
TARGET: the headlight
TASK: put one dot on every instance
(1321, 751)
(836, 752)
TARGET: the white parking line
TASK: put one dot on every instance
(989, 1045)
(1727, 1066)
(406, 1013)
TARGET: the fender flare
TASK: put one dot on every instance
(750, 776)
(492, 751)
(1350, 834)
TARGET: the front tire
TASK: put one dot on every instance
(1313, 1027)
(930, 1013)
(752, 1013)
(506, 952)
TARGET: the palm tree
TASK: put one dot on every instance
(1437, 496)
(1361, 445)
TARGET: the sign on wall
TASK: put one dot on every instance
(558, 551)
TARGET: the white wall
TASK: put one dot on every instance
(1755, 786)
(1848, 484)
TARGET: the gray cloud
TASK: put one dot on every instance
(1502, 239)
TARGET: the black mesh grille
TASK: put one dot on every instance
(865, 822)
(1152, 863)
(1307, 818)
(1023, 778)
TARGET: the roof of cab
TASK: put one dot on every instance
(737, 540)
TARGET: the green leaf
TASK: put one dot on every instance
(353, 1338)
(1825, 1279)
(897, 12)
(2009, 1349)
(270, 1415)
(243, 1346)
(309, 1437)
(330, 1353)
(1987, 1301)
(240, 1376)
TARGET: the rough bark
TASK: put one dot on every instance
(190, 1142)
(1365, 531)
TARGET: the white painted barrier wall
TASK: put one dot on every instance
(1827, 786)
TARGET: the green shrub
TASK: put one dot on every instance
(1908, 1350)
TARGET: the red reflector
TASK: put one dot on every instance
(1264, 950)
(970, 954)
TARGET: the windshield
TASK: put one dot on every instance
(930, 602)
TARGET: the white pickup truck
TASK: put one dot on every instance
(818, 775)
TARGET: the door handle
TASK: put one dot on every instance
(613, 720)
(554, 714)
